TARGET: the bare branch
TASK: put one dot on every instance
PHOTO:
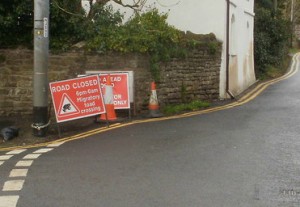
(169, 5)
(136, 5)
(64, 10)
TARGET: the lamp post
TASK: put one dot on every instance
(40, 76)
(292, 21)
(292, 10)
(275, 4)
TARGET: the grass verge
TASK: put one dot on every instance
(193, 106)
(272, 71)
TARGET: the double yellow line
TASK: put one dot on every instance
(243, 100)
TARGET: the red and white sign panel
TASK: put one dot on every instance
(120, 85)
(77, 98)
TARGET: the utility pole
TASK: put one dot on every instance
(275, 4)
(292, 11)
(292, 22)
(40, 76)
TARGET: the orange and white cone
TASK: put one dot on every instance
(153, 103)
(109, 102)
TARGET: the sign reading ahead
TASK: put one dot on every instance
(77, 98)
(120, 85)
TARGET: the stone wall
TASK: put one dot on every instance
(16, 82)
(182, 80)
(194, 78)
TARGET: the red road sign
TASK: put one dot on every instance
(120, 85)
(77, 98)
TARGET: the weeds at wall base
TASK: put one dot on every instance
(192, 106)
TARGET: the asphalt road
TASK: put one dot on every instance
(247, 156)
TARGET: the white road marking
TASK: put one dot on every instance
(5, 157)
(1, 162)
(18, 173)
(16, 152)
(31, 156)
(44, 150)
(9, 201)
(13, 185)
(56, 144)
(26, 163)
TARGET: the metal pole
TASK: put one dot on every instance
(275, 4)
(292, 22)
(292, 11)
(40, 76)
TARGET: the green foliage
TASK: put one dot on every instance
(267, 4)
(183, 92)
(151, 33)
(66, 26)
(104, 32)
(16, 20)
(147, 33)
(213, 47)
(273, 72)
(193, 106)
(271, 39)
(16, 23)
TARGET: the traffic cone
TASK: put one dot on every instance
(153, 103)
(109, 102)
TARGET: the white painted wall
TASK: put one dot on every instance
(197, 16)
(200, 17)
(242, 11)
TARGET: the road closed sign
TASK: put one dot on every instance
(77, 98)
(120, 85)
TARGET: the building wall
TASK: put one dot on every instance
(193, 78)
(241, 57)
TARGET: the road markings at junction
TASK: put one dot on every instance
(10, 154)
(43, 150)
(57, 144)
(5, 157)
(18, 173)
(31, 156)
(9, 201)
(23, 163)
(16, 152)
(13, 185)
